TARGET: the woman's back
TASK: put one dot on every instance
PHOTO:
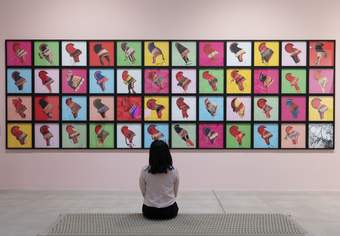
(158, 183)
(159, 190)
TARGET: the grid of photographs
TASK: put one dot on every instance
(193, 94)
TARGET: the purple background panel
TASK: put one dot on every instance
(233, 116)
(40, 142)
(287, 60)
(38, 85)
(190, 74)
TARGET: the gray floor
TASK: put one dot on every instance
(26, 213)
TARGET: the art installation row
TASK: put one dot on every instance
(209, 94)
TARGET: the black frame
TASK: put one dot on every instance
(197, 67)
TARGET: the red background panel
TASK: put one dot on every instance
(94, 58)
(40, 115)
(328, 47)
(123, 115)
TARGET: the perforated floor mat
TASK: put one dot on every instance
(185, 224)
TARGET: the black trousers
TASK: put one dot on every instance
(160, 213)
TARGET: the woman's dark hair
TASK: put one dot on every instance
(160, 160)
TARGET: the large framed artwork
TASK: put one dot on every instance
(193, 94)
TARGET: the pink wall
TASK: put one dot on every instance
(277, 170)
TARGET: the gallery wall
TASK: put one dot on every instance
(119, 170)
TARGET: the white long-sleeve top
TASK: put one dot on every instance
(159, 190)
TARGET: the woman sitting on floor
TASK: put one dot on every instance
(159, 184)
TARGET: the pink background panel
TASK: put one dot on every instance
(150, 87)
(286, 114)
(108, 101)
(314, 86)
(203, 58)
(203, 140)
(274, 87)
(11, 112)
(287, 143)
(68, 89)
(13, 60)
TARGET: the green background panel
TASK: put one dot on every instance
(109, 141)
(53, 46)
(272, 101)
(246, 141)
(285, 85)
(122, 60)
(67, 142)
(177, 60)
(204, 86)
(177, 141)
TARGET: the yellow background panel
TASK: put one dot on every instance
(232, 86)
(13, 142)
(164, 47)
(151, 115)
(274, 60)
(314, 114)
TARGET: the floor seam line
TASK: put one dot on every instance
(219, 202)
